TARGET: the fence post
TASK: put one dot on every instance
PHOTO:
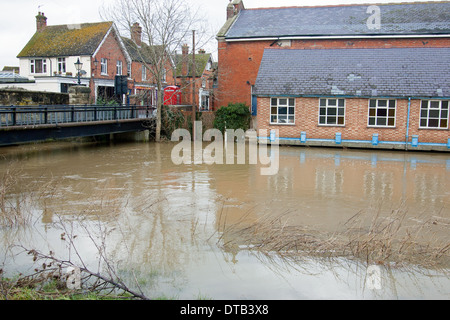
(14, 113)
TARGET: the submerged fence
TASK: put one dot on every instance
(41, 115)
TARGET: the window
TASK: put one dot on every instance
(144, 73)
(104, 66)
(282, 110)
(332, 112)
(119, 68)
(62, 65)
(129, 70)
(38, 66)
(434, 114)
(382, 113)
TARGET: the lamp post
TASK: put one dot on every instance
(78, 66)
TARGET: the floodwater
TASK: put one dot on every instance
(164, 225)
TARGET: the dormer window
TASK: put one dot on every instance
(38, 66)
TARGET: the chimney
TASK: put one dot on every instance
(201, 51)
(41, 22)
(234, 7)
(136, 34)
(185, 58)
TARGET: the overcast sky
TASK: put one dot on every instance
(18, 22)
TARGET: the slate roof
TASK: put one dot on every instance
(395, 72)
(345, 20)
(66, 40)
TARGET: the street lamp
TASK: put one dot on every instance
(78, 66)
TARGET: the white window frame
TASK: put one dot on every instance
(62, 65)
(277, 103)
(144, 73)
(440, 109)
(328, 115)
(104, 66)
(129, 69)
(34, 64)
(376, 109)
(119, 67)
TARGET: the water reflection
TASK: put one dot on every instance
(166, 221)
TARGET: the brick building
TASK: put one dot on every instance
(292, 38)
(205, 75)
(141, 74)
(49, 57)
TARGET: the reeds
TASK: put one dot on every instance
(389, 239)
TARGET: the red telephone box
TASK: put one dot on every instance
(172, 95)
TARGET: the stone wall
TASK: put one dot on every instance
(27, 98)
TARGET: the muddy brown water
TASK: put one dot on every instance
(163, 224)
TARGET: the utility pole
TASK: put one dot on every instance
(194, 73)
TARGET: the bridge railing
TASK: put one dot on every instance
(41, 115)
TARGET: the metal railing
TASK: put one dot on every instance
(11, 116)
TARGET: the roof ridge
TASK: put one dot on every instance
(350, 5)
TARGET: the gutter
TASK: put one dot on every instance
(407, 124)
(272, 38)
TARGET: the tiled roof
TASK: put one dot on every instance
(201, 60)
(344, 20)
(395, 72)
(66, 40)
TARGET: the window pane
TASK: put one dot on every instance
(381, 121)
(444, 105)
(373, 103)
(274, 102)
(331, 120)
(341, 120)
(433, 123)
(391, 122)
(341, 102)
(371, 121)
(274, 110)
(434, 114)
(372, 112)
(332, 102)
(392, 104)
(331, 111)
(291, 119)
(282, 110)
(381, 112)
(323, 111)
(323, 102)
(273, 119)
(291, 110)
(341, 111)
(282, 119)
(282, 102)
(444, 123)
(424, 104)
(423, 122)
(434, 104)
(391, 112)
(291, 102)
(322, 120)
(424, 113)
(382, 103)
(444, 114)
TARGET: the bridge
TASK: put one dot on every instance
(24, 124)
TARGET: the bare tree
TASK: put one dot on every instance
(166, 25)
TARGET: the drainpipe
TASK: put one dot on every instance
(407, 123)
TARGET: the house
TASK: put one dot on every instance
(247, 32)
(352, 75)
(141, 71)
(205, 69)
(395, 98)
(49, 57)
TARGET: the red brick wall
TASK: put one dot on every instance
(110, 50)
(356, 117)
(239, 61)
